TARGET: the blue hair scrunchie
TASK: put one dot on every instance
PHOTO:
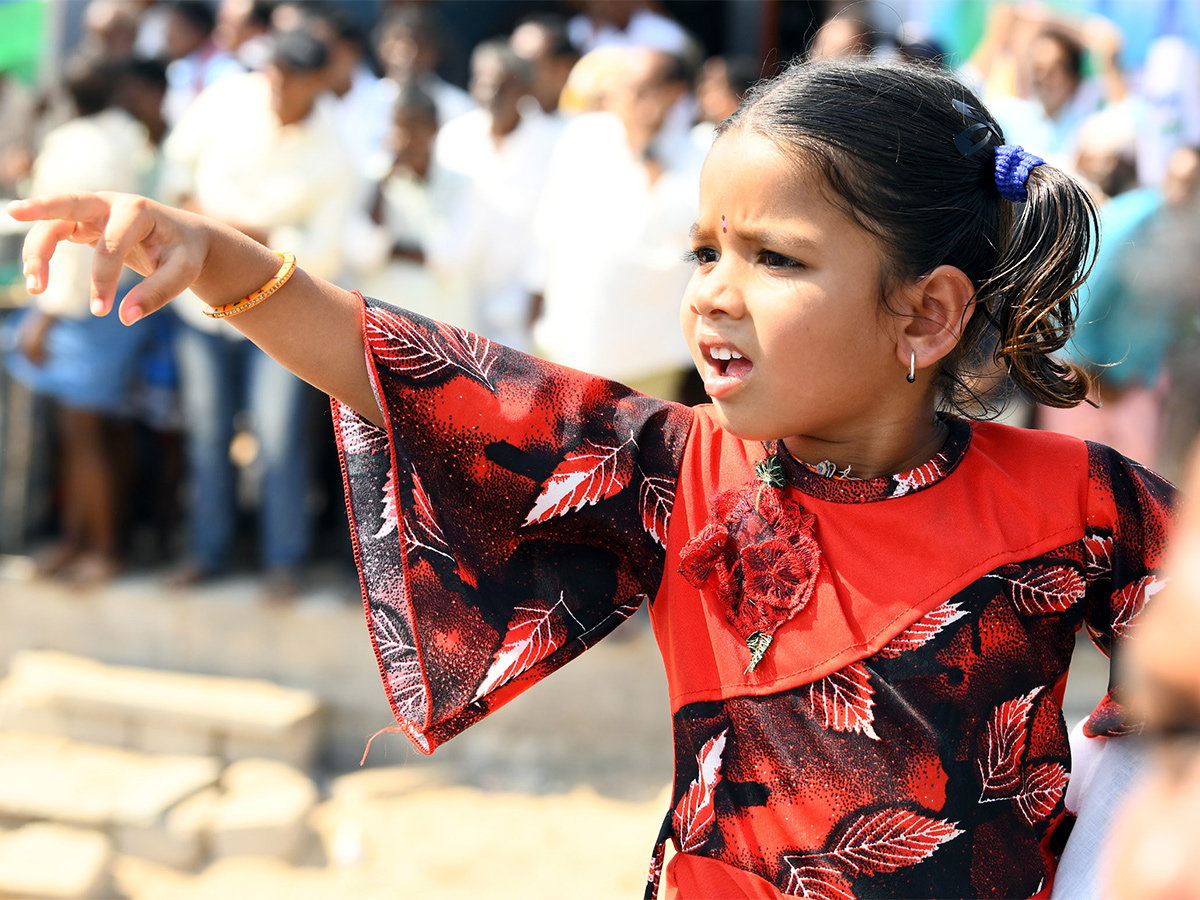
(1013, 165)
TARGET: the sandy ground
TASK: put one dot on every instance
(385, 834)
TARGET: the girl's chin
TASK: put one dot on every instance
(741, 426)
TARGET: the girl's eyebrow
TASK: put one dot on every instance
(769, 237)
(766, 237)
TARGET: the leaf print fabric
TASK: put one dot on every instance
(510, 515)
(694, 814)
(924, 629)
(655, 498)
(533, 635)
(903, 735)
(1000, 763)
(842, 701)
(1041, 789)
(936, 766)
(884, 841)
(1131, 600)
(816, 882)
(1045, 589)
(585, 476)
(427, 351)
(920, 477)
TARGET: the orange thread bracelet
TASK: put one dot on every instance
(240, 306)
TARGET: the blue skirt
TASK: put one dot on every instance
(90, 363)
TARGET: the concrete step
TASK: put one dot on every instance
(259, 808)
(159, 712)
(44, 777)
(48, 861)
(178, 811)
(318, 644)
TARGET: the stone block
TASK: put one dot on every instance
(47, 777)
(20, 712)
(99, 727)
(49, 860)
(158, 711)
(179, 840)
(155, 737)
(263, 811)
(296, 746)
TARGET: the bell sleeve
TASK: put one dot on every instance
(510, 515)
(1130, 516)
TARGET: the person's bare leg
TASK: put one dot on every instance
(90, 482)
(71, 542)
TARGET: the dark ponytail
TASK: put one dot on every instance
(909, 153)
(1032, 296)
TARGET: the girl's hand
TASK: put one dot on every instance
(309, 326)
(167, 246)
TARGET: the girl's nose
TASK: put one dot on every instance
(715, 293)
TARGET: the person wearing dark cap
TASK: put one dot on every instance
(261, 152)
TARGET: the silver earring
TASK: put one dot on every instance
(912, 367)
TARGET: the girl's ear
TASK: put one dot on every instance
(934, 312)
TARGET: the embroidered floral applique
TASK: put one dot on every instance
(770, 471)
(759, 554)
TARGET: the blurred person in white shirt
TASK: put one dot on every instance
(504, 153)
(196, 62)
(620, 198)
(626, 23)
(404, 245)
(1168, 107)
(1061, 96)
(720, 86)
(362, 101)
(111, 27)
(86, 364)
(17, 118)
(261, 152)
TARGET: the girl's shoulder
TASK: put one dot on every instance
(1118, 494)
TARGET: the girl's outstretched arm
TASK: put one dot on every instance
(309, 326)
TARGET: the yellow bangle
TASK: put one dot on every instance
(257, 297)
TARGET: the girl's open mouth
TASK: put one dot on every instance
(729, 362)
(725, 368)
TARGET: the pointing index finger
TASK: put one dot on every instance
(75, 207)
(127, 225)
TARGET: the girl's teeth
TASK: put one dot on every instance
(725, 353)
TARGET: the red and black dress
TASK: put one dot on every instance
(866, 677)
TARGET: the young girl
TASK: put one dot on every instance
(866, 605)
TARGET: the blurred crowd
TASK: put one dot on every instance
(545, 204)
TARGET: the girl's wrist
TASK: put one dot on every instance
(233, 265)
